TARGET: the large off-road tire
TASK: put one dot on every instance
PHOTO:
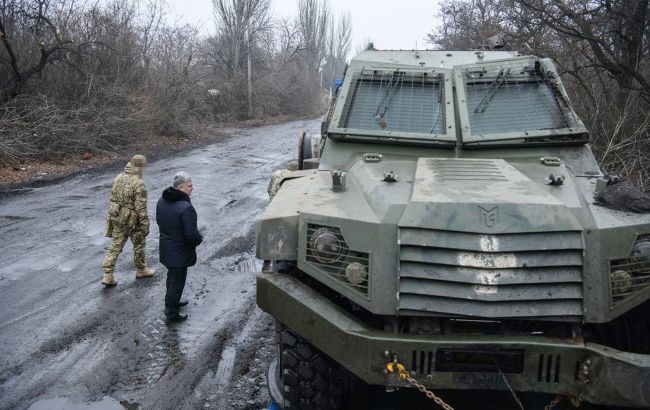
(309, 146)
(310, 380)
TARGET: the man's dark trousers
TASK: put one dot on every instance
(175, 285)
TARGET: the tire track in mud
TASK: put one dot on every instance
(75, 346)
(240, 377)
(55, 359)
(188, 385)
(227, 360)
(65, 337)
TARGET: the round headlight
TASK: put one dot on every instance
(621, 282)
(356, 273)
(640, 257)
(326, 246)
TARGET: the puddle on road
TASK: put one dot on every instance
(59, 403)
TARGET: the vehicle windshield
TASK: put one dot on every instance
(503, 101)
(397, 101)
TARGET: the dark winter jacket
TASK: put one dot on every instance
(179, 235)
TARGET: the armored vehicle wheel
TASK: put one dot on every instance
(309, 379)
(308, 148)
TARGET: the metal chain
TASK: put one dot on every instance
(428, 393)
(393, 367)
(553, 403)
(512, 391)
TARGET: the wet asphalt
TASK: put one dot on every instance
(67, 342)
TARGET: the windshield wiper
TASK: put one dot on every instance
(494, 87)
(433, 127)
(384, 104)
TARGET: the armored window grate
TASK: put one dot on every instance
(508, 99)
(397, 101)
(628, 277)
(340, 261)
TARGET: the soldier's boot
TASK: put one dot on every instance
(109, 280)
(145, 273)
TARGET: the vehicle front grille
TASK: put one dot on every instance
(523, 275)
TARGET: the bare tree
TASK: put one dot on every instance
(48, 44)
(467, 24)
(79, 76)
(150, 26)
(602, 51)
(288, 42)
(239, 22)
(339, 41)
(617, 33)
(313, 19)
(235, 20)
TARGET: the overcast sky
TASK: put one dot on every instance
(390, 24)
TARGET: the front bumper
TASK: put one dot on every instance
(568, 367)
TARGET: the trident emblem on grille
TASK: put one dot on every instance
(489, 217)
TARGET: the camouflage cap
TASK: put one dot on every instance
(139, 160)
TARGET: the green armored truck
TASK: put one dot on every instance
(444, 234)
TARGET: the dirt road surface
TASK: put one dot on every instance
(68, 343)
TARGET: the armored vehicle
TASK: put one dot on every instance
(448, 237)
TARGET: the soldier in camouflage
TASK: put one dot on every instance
(127, 218)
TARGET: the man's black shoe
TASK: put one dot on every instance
(176, 318)
(183, 303)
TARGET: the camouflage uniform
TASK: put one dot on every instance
(274, 186)
(127, 216)
(278, 177)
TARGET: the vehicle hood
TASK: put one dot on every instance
(467, 195)
(487, 196)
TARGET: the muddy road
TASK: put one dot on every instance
(66, 342)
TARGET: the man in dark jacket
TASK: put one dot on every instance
(179, 237)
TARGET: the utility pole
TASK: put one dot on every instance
(321, 68)
(250, 80)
